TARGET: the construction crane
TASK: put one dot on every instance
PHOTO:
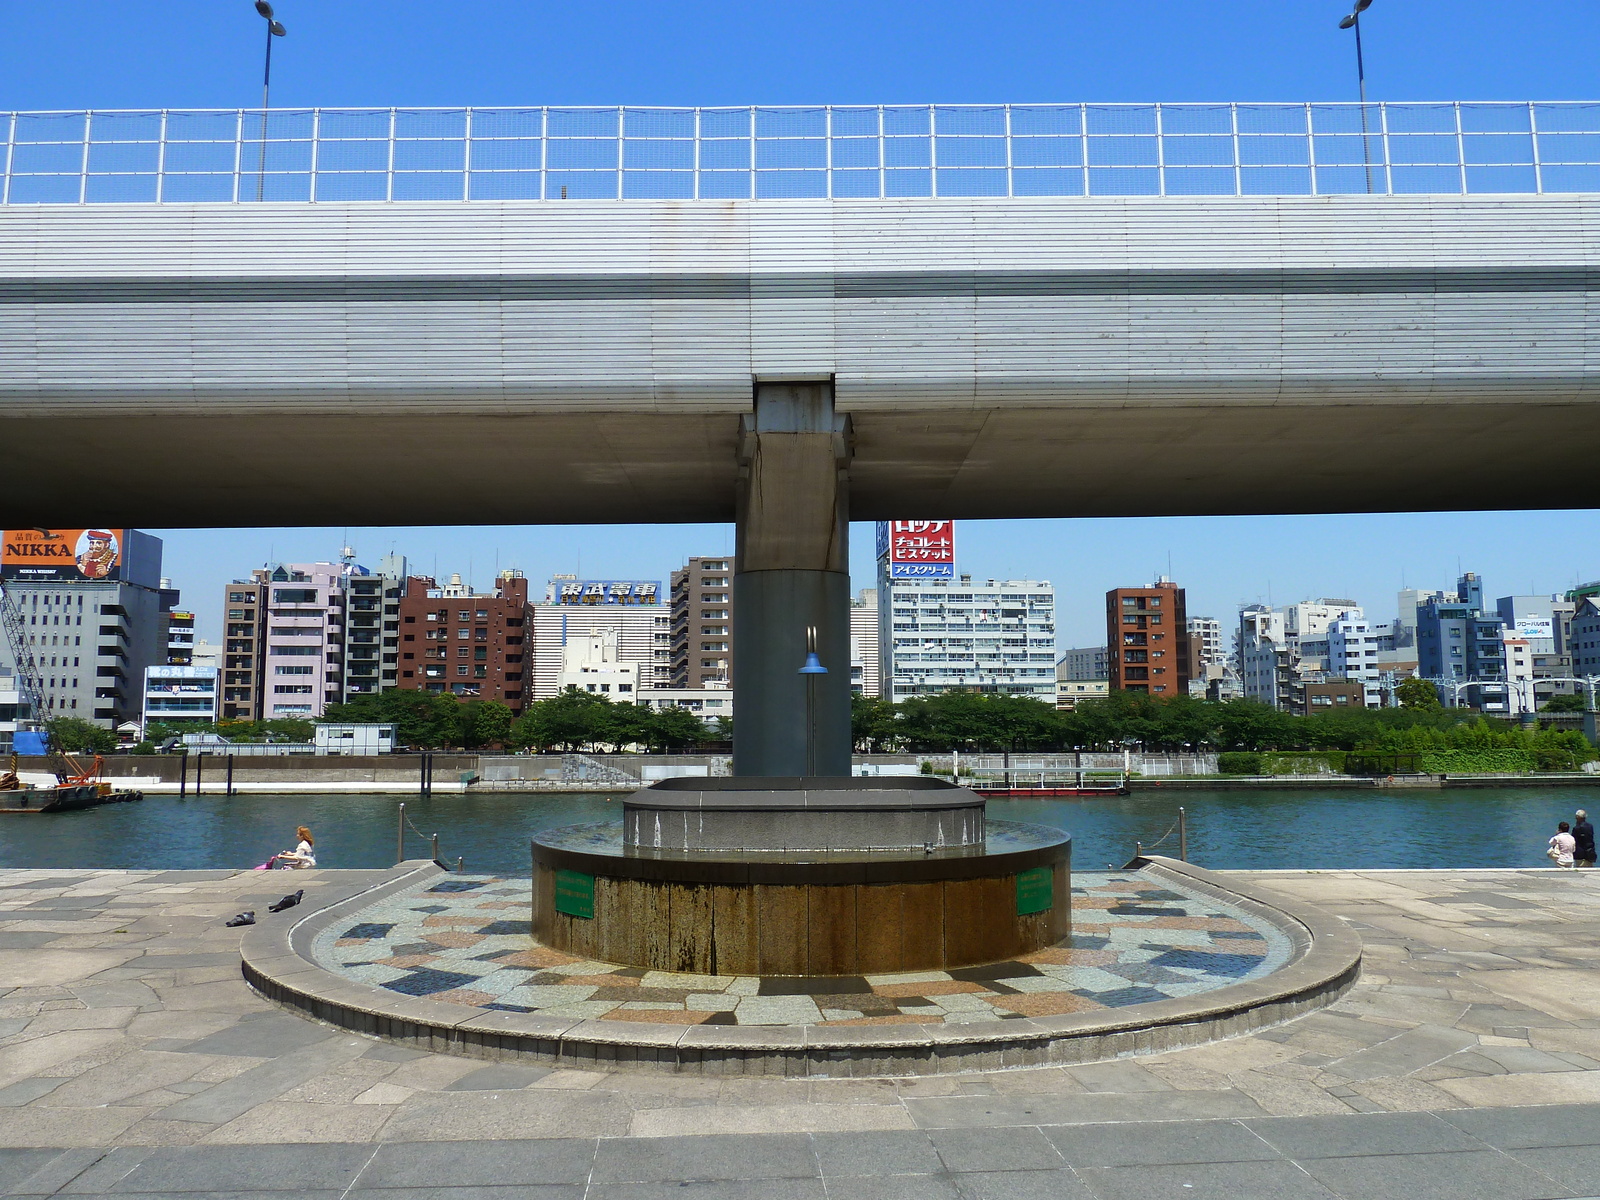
(69, 772)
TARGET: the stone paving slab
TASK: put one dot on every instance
(1409, 1156)
(169, 1051)
(465, 940)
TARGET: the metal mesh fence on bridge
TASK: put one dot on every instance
(914, 151)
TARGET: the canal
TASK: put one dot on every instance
(1504, 827)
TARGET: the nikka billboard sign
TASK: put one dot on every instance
(918, 549)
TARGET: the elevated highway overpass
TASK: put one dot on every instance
(559, 315)
(586, 361)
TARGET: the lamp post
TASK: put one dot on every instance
(274, 29)
(1353, 21)
(812, 668)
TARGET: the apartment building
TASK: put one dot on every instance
(702, 624)
(1147, 632)
(475, 646)
(1462, 648)
(939, 635)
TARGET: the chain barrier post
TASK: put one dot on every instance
(400, 837)
(1183, 836)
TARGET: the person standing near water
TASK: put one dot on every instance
(1562, 846)
(302, 856)
(1583, 839)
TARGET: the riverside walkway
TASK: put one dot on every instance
(134, 1060)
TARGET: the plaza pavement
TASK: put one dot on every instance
(134, 1060)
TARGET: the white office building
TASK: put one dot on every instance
(1356, 649)
(865, 677)
(643, 639)
(591, 662)
(180, 695)
(940, 635)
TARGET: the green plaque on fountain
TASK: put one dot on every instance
(575, 894)
(1035, 891)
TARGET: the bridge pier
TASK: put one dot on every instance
(792, 575)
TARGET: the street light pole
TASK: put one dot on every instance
(274, 29)
(1353, 21)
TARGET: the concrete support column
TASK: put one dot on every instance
(792, 572)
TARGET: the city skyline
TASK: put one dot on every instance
(1222, 562)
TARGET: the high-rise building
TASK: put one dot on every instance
(301, 662)
(702, 623)
(475, 646)
(1459, 643)
(1147, 632)
(95, 614)
(243, 645)
(949, 635)
(1355, 652)
(372, 626)
(1205, 645)
(865, 677)
(574, 608)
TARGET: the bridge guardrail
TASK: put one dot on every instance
(820, 152)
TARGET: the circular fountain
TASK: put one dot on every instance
(791, 876)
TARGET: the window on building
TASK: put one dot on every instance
(462, 669)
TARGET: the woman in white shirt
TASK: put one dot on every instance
(302, 855)
(1562, 846)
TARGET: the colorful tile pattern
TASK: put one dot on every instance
(466, 940)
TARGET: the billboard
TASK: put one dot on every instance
(917, 549)
(62, 555)
(1535, 627)
(605, 591)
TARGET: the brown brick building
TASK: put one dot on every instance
(477, 647)
(1147, 640)
(702, 625)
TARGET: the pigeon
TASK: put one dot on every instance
(287, 902)
(248, 917)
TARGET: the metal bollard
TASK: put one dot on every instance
(1183, 836)
(400, 837)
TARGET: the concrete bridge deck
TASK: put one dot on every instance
(588, 361)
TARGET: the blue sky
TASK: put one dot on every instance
(207, 53)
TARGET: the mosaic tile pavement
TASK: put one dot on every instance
(465, 939)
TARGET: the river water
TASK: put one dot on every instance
(1470, 827)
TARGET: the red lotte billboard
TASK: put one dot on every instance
(62, 554)
(918, 549)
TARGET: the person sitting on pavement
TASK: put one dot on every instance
(1583, 837)
(301, 856)
(1562, 846)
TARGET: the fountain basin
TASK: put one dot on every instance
(816, 912)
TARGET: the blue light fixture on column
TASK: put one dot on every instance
(813, 667)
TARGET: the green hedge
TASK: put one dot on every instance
(1467, 762)
(1240, 762)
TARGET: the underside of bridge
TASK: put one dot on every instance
(416, 469)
